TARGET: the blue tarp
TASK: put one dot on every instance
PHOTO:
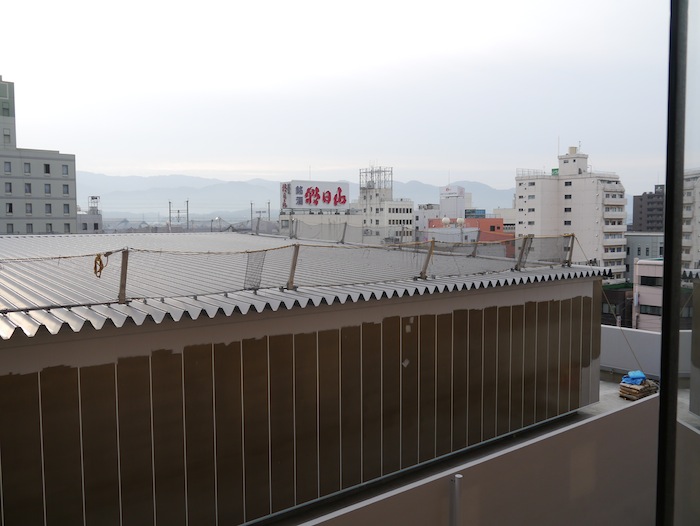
(634, 378)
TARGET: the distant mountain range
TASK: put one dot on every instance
(148, 198)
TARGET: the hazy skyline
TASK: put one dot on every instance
(446, 90)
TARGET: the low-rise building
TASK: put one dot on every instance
(90, 221)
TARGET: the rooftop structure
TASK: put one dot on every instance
(244, 376)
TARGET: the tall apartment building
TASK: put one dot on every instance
(574, 199)
(690, 245)
(648, 211)
(39, 185)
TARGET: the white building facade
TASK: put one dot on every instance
(690, 244)
(39, 192)
(454, 200)
(573, 199)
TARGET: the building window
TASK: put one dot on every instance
(6, 136)
(47, 168)
(95, 226)
(27, 168)
(530, 222)
(47, 209)
(567, 183)
(8, 208)
(530, 209)
(567, 223)
(5, 109)
(64, 169)
(647, 251)
(84, 226)
(66, 189)
(567, 196)
(27, 188)
(639, 251)
(530, 196)
(66, 208)
(49, 228)
(28, 208)
(650, 309)
(8, 167)
(66, 228)
(10, 228)
(651, 281)
(531, 184)
(47, 188)
(8, 188)
(567, 209)
(30, 228)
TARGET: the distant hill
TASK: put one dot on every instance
(136, 197)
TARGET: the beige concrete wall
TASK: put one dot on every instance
(687, 498)
(601, 471)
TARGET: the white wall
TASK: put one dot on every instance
(623, 350)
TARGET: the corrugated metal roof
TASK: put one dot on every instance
(48, 281)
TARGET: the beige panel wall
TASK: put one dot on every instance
(232, 416)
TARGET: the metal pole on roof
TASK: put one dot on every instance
(293, 269)
(524, 249)
(122, 276)
(572, 240)
(424, 270)
(671, 295)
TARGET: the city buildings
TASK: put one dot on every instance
(323, 210)
(573, 199)
(39, 185)
(648, 211)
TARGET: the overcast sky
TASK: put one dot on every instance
(441, 90)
